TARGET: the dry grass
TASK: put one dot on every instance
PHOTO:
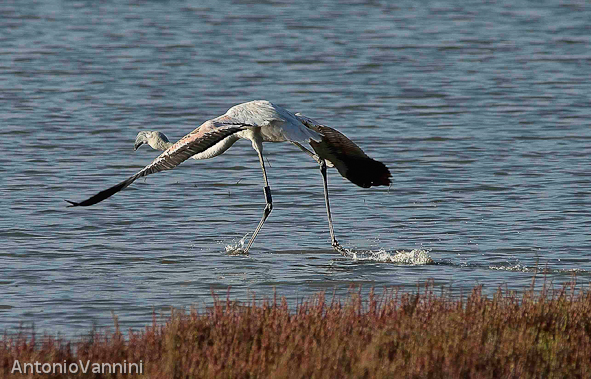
(420, 335)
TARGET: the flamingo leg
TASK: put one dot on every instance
(269, 201)
(334, 242)
(323, 169)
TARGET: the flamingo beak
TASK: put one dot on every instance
(140, 140)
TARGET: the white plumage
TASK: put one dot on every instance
(278, 124)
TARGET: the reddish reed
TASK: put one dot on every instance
(394, 334)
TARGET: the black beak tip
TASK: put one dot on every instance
(72, 204)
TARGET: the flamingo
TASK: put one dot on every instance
(260, 121)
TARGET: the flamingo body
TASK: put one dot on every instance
(260, 121)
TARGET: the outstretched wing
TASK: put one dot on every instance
(185, 148)
(348, 158)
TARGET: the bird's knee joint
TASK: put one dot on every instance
(268, 209)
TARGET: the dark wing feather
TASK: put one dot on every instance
(348, 158)
(185, 148)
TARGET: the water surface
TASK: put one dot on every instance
(480, 110)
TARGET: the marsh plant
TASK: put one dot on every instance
(425, 334)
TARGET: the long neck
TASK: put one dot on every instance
(159, 143)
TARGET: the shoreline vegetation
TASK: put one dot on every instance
(394, 334)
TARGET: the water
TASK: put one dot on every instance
(481, 111)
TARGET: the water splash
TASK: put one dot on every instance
(238, 247)
(413, 257)
(539, 269)
(517, 267)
